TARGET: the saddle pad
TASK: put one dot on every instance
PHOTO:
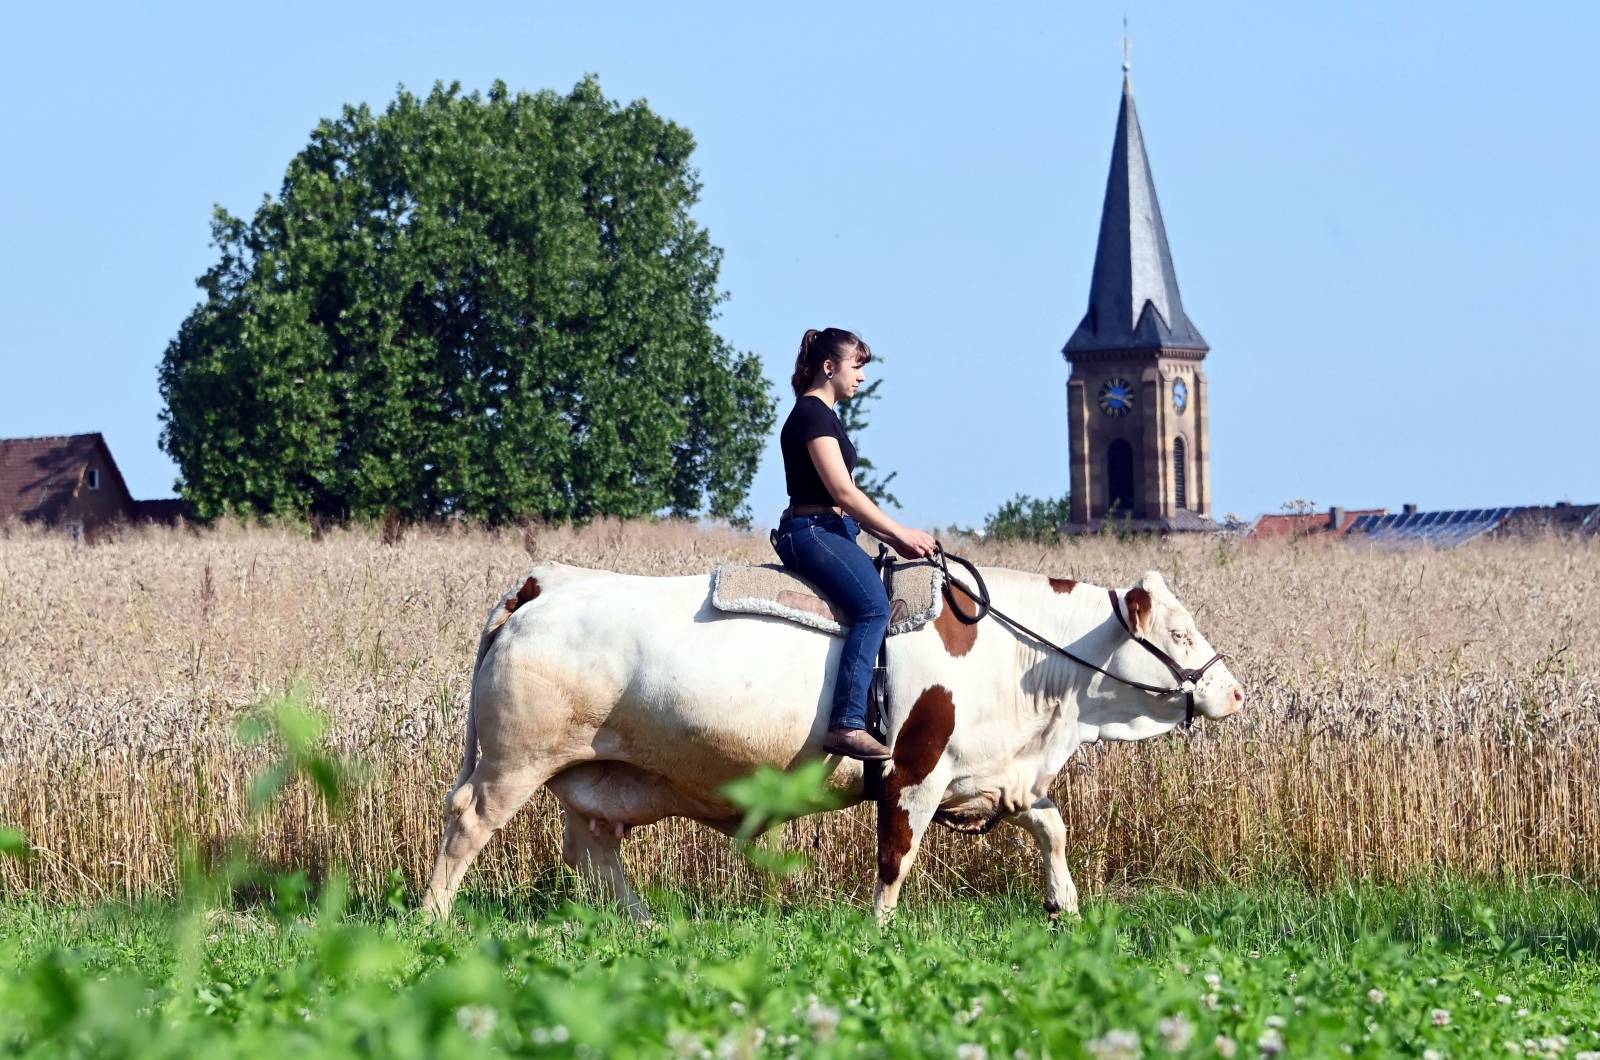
(771, 589)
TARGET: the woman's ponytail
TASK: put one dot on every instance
(829, 344)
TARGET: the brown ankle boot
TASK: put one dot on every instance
(854, 743)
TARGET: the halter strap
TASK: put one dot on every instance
(1187, 679)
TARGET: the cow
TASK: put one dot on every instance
(633, 699)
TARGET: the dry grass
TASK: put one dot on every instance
(1412, 714)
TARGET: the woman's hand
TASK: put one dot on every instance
(913, 544)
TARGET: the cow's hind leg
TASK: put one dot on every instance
(473, 812)
(1043, 822)
(593, 847)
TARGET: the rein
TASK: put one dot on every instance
(1187, 678)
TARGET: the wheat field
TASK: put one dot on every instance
(1412, 714)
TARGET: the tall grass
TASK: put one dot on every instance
(1411, 715)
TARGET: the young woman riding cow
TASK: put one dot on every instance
(817, 532)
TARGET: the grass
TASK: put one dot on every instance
(1366, 971)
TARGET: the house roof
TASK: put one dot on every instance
(1298, 525)
(39, 476)
(1133, 297)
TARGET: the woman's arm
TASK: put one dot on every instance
(829, 462)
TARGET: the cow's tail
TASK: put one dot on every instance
(459, 794)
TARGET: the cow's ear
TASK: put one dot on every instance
(1152, 581)
(1137, 606)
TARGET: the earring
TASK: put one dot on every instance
(829, 375)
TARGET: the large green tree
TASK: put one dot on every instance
(494, 305)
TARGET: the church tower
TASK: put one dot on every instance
(1137, 408)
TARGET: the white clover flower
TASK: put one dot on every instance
(1175, 1031)
(1432, 980)
(1225, 1046)
(1294, 977)
(1275, 1022)
(1587, 1054)
(1432, 1054)
(1209, 1001)
(1114, 1045)
(1514, 1048)
(1376, 996)
(1270, 1042)
(1019, 1053)
(1521, 1012)
(1556, 1044)
(1502, 999)
(823, 1020)
(1213, 980)
(736, 1007)
(1255, 955)
(971, 1051)
(559, 1033)
(683, 1043)
(477, 1020)
(1441, 1017)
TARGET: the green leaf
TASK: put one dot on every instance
(328, 777)
(298, 726)
(769, 795)
(264, 786)
(14, 844)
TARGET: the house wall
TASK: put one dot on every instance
(95, 508)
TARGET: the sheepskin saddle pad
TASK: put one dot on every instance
(770, 589)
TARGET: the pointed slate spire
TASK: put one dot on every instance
(1133, 298)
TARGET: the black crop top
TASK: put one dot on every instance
(811, 418)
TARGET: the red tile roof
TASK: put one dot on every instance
(38, 476)
(1302, 525)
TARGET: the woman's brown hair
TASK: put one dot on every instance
(829, 344)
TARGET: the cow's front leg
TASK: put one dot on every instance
(904, 814)
(1043, 822)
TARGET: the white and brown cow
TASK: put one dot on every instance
(633, 700)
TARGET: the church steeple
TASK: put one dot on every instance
(1138, 402)
(1133, 298)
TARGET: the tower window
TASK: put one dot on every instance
(1119, 479)
(1180, 485)
(94, 478)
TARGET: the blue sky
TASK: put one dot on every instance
(1382, 215)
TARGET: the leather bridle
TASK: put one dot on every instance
(1188, 678)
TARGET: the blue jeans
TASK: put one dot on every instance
(823, 549)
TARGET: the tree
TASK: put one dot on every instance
(498, 307)
(853, 417)
(1025, 518)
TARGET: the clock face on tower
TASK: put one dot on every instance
(1116, 397)
(1180, 395)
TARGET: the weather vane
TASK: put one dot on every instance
(1127, 46)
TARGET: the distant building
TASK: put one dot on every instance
(1137, 405)
(1310, 524)
(71, 482)
(1448, 529)
(1410, 526)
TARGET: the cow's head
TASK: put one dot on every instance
(1154, 614)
